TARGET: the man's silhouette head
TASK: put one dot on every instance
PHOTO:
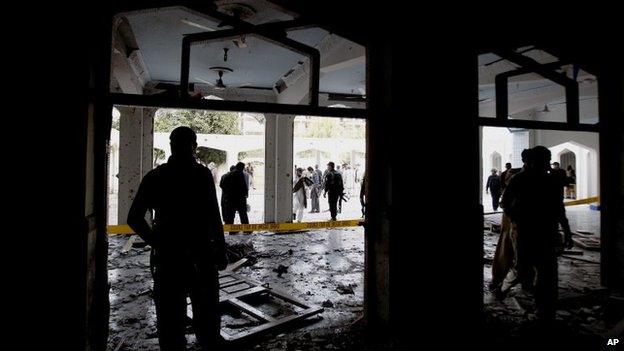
(540, 158)
(526, 157)
(240, 166)
(330, 166)
(183, 141)
(507, 165)
(556, 165)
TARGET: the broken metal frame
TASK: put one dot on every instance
(232, 297)
(531, 66)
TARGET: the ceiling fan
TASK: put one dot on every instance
(218, 84)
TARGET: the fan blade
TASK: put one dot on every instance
(244, 85)
(205, 81)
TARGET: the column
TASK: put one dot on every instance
(136, 142)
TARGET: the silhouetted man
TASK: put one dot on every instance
(334, 186)
(493, 186)
(187, 243)
(223, 199)
(503, 176)
(561, 176)
(235, 190)
(533, 202)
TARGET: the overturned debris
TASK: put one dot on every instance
(281, 269)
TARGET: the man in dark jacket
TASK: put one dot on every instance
(560, 175)
(334, 186)
(223, 196)
(187, 243)
(235, 192)
(493, 186)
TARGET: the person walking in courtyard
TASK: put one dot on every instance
(315, 190)
(493, 186)
(334, 186)
(300, 201)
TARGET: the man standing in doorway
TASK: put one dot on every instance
(493, 186)
(235, 190)
(187, 243)
(334, 186)
(560, 175)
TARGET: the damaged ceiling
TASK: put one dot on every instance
(257, 63)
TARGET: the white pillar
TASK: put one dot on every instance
(136, 142)
(278, 168)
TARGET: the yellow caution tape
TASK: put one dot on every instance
(119, 229)
(286, 227)
(273, 227)
(589, 200)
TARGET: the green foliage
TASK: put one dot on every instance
(312, 154)
(321, 127)
(159, 155)
(202, 122)
(207, 155)
(115, 124)
(250, 154)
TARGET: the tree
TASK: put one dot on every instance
(159, 155)
(321, 127)
(202, 122)
(207, 155)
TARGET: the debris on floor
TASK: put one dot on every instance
(583, 302)
(318, 264)
(281, 269)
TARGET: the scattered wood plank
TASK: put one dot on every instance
(586, 243)
(573, 253)
(121, 343)
(128, 245)
(236, 265)
(580, 259)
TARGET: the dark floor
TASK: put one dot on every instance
(323, 267)
(579, 319)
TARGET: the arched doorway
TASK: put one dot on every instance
(567, 158)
